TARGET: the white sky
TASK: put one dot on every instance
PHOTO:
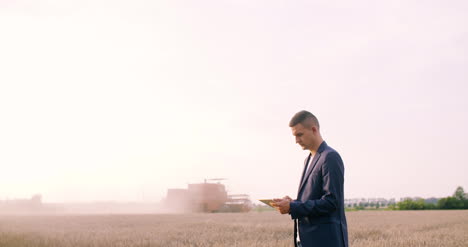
(120, 100)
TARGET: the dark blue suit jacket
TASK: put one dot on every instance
(319, 208)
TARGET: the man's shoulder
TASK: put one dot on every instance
(329, 152)
(329, 149)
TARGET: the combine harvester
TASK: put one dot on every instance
(206, 197)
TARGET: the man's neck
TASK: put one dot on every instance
(315, 148)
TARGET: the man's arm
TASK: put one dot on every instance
(333, 178)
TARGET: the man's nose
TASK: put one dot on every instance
(297, 139)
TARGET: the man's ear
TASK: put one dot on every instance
(314, 129)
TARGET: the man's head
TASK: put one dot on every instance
(305, 127)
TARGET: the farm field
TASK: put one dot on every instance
(366, 229)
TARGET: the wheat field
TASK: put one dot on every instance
(366, 229)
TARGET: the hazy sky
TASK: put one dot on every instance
(120, 100)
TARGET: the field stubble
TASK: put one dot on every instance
(366, 229)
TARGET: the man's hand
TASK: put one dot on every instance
(287, 198)
(282, 205)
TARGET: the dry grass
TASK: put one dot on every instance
(408, 228)
(366, 229)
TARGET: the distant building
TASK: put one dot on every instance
(368, 202)
(22, 205)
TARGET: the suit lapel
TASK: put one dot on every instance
(303, 172)
(313, 163)
(309, 171)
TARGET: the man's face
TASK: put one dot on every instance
(304, 136)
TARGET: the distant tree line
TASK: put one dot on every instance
(459, 200)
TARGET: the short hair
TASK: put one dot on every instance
(305, 118)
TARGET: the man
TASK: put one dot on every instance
(318, 212)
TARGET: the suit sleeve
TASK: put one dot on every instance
(332, 183)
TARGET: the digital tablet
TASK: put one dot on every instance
(267, 201)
